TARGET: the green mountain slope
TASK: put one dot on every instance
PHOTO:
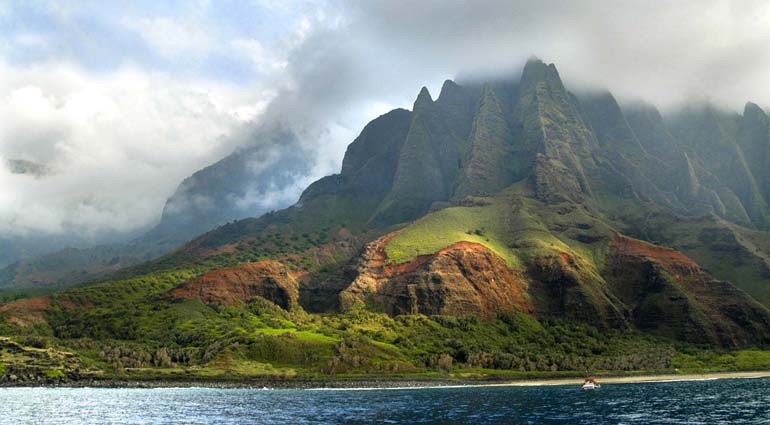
(506, 227)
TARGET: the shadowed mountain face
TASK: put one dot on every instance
(509, 198)
(246, 183)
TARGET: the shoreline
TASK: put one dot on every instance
(385, 383)
(639, 379)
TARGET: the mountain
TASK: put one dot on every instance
(248, 182)
(72, 266)
(505, 225)
(22, 166)
(623, 165)
(243, 184)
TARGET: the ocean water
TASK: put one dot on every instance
(734, 401)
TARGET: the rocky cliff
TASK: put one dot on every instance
(269, 280)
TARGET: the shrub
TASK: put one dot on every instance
(444, 362)
(34, 341)
(54, 373)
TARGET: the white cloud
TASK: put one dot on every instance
(118, 145)
(265, 60)
(172, 38)
(666, 52)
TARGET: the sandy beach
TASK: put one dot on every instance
(638, 379)
(384, 383)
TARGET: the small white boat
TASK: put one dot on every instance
(590, 384)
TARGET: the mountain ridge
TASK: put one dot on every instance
(515, 211)
(577, 183)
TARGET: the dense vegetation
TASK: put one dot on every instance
(131, 330)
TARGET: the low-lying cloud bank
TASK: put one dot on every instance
(113, 147)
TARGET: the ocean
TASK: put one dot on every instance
(728, 401)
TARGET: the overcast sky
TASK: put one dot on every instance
(120, 103)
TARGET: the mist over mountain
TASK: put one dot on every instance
(126, 113)
(247, 183)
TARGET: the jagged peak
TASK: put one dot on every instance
(534, 60)
(753, 110)
(449, 89)
(536, 70)
(423, 99)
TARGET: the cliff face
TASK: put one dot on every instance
(370, 162)
(490, 164)
(429, 160)
(710, 138)
(461, 279)
(667, 293)
(27, 312)
(266, 279)
(655, 289)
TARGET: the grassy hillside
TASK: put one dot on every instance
(513, 225)
(480, 224)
